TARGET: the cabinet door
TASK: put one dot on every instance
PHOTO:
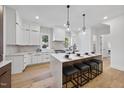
(27, 60)
(10, 24)
(34, 38)
(19, 35)
(34, 59)
(37, 38)
(5, 76)
(17, 64)
(46, 57)
(18, 19)
(39, 58)
(26, 35)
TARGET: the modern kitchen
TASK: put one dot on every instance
(61, 46)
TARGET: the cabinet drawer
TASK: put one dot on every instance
(5, 76)
(5, 68)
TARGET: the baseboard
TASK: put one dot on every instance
(121, 68)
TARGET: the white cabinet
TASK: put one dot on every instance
(35, 28)
(46, 57)
(37, 58)
(18, 19)
(26, 35)
(40, 58)
(20, 62)
(19, 35)
(34, 59)
(27, 60)
(10, 25)
(13, 22)
(17, 32)
(58, 34)
(35, 35)
(17, 64)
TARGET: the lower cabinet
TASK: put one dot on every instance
(40, 58)
(5, 76)
(34, 59)
(17, 64)
(27, 60)
(20, 62)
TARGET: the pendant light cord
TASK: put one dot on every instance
(68, 23)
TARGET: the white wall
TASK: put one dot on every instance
(84, 41)
(106, 45)
(53, 44)
(117, 43)
(99, 44)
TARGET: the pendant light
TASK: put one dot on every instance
(84, 25)
(68, 23)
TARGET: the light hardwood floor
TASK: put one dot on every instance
(39, 76)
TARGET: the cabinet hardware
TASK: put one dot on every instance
(3, 84)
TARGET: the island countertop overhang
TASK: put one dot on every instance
(72, 57)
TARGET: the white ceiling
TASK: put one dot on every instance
(51, 15)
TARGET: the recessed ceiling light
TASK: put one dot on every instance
(37, 17)
(105, 17)
(65, 25)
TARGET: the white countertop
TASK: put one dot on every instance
(25, 53)
(61, 57)
(3, 63)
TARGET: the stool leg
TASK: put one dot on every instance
(88, 75)
(66, 82)
(102, 67)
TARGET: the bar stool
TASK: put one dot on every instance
(84, 73)
(100, 64)
(93, 68)
(71, 75)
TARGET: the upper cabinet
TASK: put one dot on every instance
(26, 34)
(10, 25)
(19, 33)
(18, 19)
(58, 34)
(35, 35)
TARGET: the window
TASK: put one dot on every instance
(45, 41)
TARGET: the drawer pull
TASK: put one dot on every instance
(3, 84)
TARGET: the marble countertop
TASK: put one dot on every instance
(26, 53)
(3, 63)
(61, 57)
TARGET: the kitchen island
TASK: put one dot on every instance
(58, 60)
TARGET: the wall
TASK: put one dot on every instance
(106, 45)
(84, 41)
(100, 32)
(53, 44)
(117, 44)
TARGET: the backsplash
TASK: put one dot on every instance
(27, 48)
(10, 49)
(58, 45)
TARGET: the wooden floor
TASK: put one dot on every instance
(39, 76)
